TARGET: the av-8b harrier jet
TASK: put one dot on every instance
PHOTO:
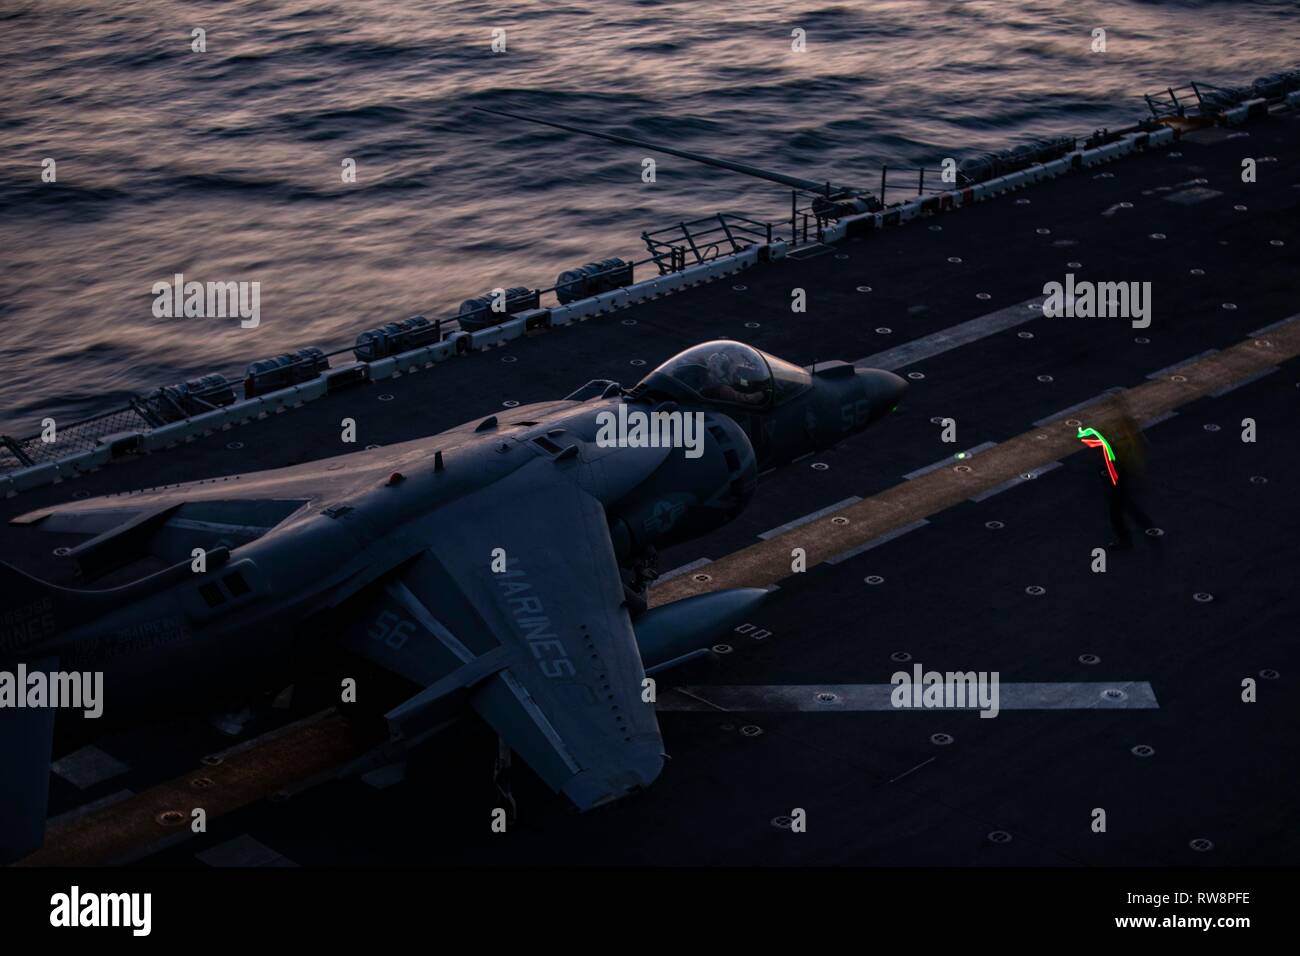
(499, 566)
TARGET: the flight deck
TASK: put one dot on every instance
(1122, 689)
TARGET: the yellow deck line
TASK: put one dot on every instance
(767, 562)
(127, 828)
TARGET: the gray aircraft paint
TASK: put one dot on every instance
(387, 552)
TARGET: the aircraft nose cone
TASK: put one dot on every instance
(884, 389)
(897, 388)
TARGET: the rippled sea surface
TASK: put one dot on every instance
(225, 165)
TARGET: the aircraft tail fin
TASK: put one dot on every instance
(26, 747)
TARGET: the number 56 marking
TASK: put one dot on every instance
(391, 629)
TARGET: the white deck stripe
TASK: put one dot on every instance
(88, 766)
(958, 335)
(1169, 369)
(684, 569)
(1244, 382)
(876, 542)
(1152, 422)
(808, 518)
(777, 698)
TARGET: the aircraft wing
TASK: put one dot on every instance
(544, 651)
(169, 522)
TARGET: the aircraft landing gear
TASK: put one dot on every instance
(636, 579)
(501, 780)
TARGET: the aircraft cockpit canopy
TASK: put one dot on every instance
(731, 373)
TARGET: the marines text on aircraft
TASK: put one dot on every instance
(500, 566)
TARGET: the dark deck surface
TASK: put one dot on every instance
(876, 789)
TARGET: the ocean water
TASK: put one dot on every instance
(225, 165)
